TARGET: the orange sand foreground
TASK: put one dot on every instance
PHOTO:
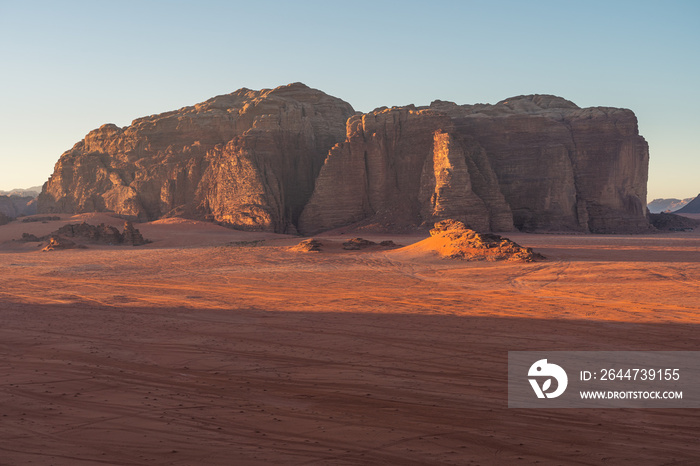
(216, 347)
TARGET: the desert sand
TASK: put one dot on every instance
(219, 347)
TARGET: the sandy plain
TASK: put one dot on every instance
(216, 347)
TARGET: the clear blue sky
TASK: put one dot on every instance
(68, 67)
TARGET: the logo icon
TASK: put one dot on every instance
(542, 369)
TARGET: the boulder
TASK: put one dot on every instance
(356, 244)
(308, 245)
(132, 235)
(56, 242)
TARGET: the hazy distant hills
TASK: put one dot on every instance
(667, 205)
(692, 207)
(24, 192)
(18, 202)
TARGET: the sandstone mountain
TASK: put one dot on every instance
(294, 158)
(533, 163)
(247, 159)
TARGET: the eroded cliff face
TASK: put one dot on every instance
(295, 159)
(535, 163)
(248, 159)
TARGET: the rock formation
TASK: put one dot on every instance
(101, 233)
(132, 235)
(32, 192)
(356, 244)
(451, 239)
(295, 159)
(666, 221)
(308, 245)
(56, 243)
(247, 159)
(532, 162)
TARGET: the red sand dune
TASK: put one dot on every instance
(212, 346)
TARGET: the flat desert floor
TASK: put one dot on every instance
(216, 347)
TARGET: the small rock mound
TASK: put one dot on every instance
(94, 234)
(30, 238)
(57, 242)
(356, 244)
(308, 245)
(462, 243)
(101, 233)
(672, 222)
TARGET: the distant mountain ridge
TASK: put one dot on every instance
(16, 206)
(693, 207)
(667, 205)
(23, 192)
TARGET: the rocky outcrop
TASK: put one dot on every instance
(356, 244)
(247, 159)
(295, 159)
(101, 233)
(132, 235)
(666, 221)
(57, 243)
(451, 239)
(531, 162)
(308, 245)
